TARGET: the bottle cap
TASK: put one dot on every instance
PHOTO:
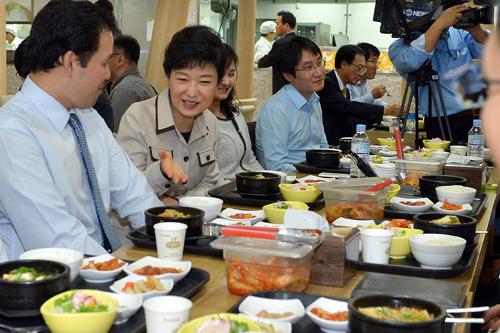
(476, 122)
(360, 128)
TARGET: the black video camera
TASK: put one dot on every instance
(411, 18)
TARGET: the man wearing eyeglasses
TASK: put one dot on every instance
(290, 122)
(338, 109)
(359, 92)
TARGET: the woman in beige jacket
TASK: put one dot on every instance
(172, 138)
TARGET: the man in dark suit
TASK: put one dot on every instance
(285, 26)
(338, 111)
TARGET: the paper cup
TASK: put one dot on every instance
(165, 314)
(458, 150)
(170, 238)
(376, 245)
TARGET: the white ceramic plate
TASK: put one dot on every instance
(331, 306)
(388, 153)
(95, 276)
(396, 203)
(185, 266)
(343, 222)
(314, 180)
(269, 225)
(225, 222)
(284, 327)
(129, 304)
(259, 215)
(117, 287)
(466, 209)
(252, 305)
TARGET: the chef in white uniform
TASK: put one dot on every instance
(264, 44)
(12, 41)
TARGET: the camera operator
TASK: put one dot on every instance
(448, 48)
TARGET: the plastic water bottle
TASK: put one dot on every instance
(475, 144)
(410, 124)
(360, 144)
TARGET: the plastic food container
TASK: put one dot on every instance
(417, 167)
(348, 198)
(259, 264)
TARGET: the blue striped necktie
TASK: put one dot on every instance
(109, 237)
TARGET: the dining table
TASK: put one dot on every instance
(214, 296)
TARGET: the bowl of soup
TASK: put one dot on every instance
(192, 217)
(369, 313)
(27, 284)
(258, 184)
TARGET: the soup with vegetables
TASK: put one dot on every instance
(26, 274)
(405, 314)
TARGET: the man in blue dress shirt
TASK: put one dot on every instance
(290, 122)
(45, 195)
(448, 48)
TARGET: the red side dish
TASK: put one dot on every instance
(149, 270)
(336, 316)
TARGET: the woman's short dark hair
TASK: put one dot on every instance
(129, 46)
(229, 103)
(289, 54)
(62, 26)
(287, 17)
(347, 53)
(369, 49)
(195, 46)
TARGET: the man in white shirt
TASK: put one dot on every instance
(263, 45)
(46, 191)
(11, 39)
(359, 92)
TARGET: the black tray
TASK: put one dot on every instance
(409, 192)
(304, 325)
(229, 195)
(410, 266)
(381, 127)
(186, 287)
(307, 168)
(199, 245)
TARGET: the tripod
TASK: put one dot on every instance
(422, 77)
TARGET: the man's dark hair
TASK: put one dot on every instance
(228, 104)
(347, 53)
(194, 46)
(287, 17)
(369, 50)
(129, 47)
(20, 59)
(289, 53)
(62, 26)
(105, 4)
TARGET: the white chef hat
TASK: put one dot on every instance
(266, 27)
(12, 29)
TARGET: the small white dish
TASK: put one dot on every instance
(388, 153)
(314, 180)
(333, 175)
(259, 215)
(268, 225)
(375, 149)
(343, 222)
(396, 203)
(290, 179)
(331, 306)
(129, 304)
(95, 276)
(225, 222)
(466, 209)
(252, 305)
(284, 327)
(118, 286)
(185, 266)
